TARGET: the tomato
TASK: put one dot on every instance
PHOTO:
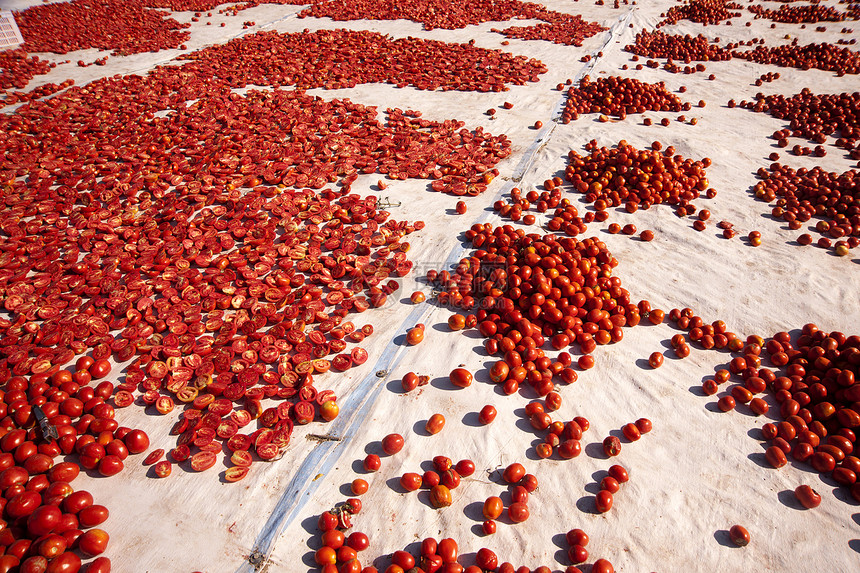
(409, 381)
(570, 449)
(577, 554)
(577, 537)
(807, 496)
(372, 463)
(410, 481)
(23, 504)
(529, 482)
(440, 496)
(487, 414)
(358, 541)
(631, 432)
(603, 501)
(99, 369)
(43, 520)
(493, 507)
(602, 566)
(518, 512)
(644, 425)
(93, 515)
(136, 441)
(519, 494)
(76, 501)
(325, 556)
(655, 360)
(486, 559)
(34, 564)
(499, 372)
(488, 527)
(619, 473)
(359, 486)
(93, 542)
(465, 468)
(447, 550)
(333, 538)
(162, 469)
(610, 484)
(611, 446)
(435, 424)
(442, 463)
(99, 565)
(329, 410)
(450, 479)
(775, 457)
(514, 473)
(739, 535)
(414, 336)
(461, 378)
(52, 545)
(110, 465)
(392, 443)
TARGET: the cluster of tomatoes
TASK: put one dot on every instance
(19, 68)
(557, 27)
(124, 27)
(46, 416)
(819, 402)
(345, 58)
(636, 178)
(801, 194)
(701, 11)
(618, 96)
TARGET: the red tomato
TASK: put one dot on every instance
(136, 441)
(493, 507)
(77, 501)
(410, 481)
(43, 520)
(93, 542)
(514, 473)
(487, 414)
(602, 566)
(100, 369)
(486, 559)
(461, 378)
(518, 512)
(392, 443)
(603, 501)
(448, 550)
(807, 496)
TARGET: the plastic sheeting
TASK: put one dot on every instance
(696, 474)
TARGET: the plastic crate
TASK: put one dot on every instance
(10, 35)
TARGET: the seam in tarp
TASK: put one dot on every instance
(325, 455)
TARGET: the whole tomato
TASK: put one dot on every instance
(518, 512)
(493, 507)
(486, 559)
(448, 550)
(392, 443)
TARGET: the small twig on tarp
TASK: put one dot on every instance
(324, 437)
